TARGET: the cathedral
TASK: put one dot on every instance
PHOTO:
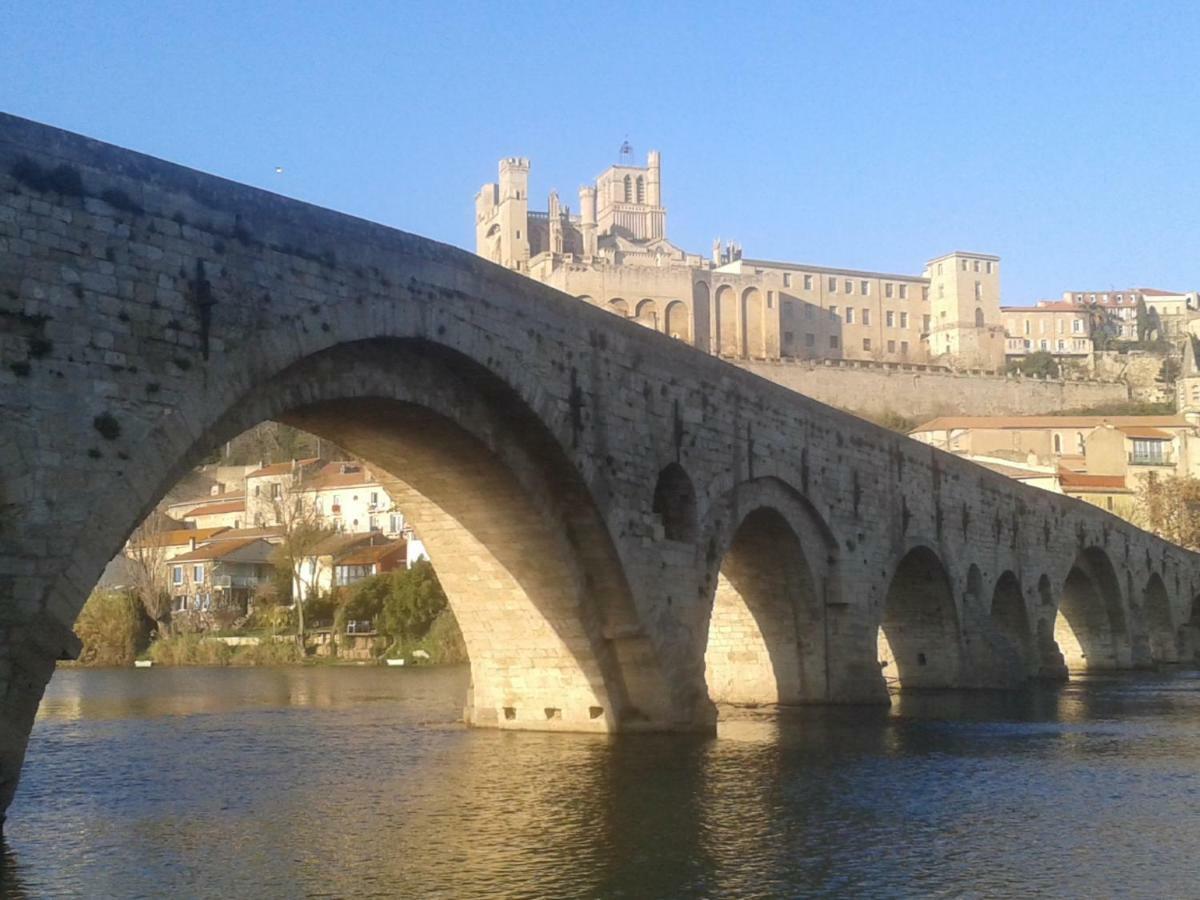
(614, 253)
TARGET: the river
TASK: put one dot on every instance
(341, 782)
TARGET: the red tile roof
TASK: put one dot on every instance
(367, 555)
(1083, 483)
(178, 537)
(331, 476)
(1144, 431)
(217, 509)
(214, 550)
(282, 468)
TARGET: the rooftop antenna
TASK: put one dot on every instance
(625, 154)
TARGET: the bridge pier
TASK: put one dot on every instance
(28, 653)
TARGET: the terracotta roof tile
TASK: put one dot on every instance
(282, 468)
(1084, 483)
(179, 537)
(216, 509)
(213, 550)
(367, 555)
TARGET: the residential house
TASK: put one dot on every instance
(227, 512)
(1100, 459)
(267, 486)
(315, 575)
(363, 562)
(218, 575)
(171, 542)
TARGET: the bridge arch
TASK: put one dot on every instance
(524, 556)
(1160, 629)
(1010, 622)
(675, 503)
(1090, 628)
(1051, 666)
(919, 637)
(765, 637)
(1191, 631)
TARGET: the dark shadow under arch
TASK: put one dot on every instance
(675, 503)
(1010, 623)
(918, 634)
(1156, 605)
(1090, 629)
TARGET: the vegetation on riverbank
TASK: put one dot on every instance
(406, 610)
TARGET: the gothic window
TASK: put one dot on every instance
(978, 317)
(628, 189)
(641, 190)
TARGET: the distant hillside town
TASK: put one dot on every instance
(614, 253)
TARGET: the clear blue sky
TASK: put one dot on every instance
(1061, 136)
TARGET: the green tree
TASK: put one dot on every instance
(402, 604)
(1039, 363)
(113, 629)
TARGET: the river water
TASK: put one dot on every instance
(341, 782)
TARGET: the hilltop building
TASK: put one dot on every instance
(614, 253)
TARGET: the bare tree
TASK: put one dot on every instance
(302, 533)
(147, 552)
(1170, 507)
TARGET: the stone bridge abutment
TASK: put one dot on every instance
(630, 531)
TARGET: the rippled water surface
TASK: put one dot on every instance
(360, 782)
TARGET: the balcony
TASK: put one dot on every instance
(237, 581)
(1166, 458)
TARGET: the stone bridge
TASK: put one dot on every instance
(629, 531)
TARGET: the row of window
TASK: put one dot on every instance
(179, 603)
(979, 265)
(810, 341)
(1077, 344)
(890, 289)
(197, 574)
(1076, 326)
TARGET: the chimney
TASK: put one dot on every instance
(191, 543)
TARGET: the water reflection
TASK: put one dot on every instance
(342, 782)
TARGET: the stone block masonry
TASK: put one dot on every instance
(924, 392)
(585, 487)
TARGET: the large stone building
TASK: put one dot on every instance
(614, 253)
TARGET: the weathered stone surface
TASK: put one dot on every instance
(164, 311)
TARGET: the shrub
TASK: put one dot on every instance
(112, 629)
(268, 653)
(190, 650)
